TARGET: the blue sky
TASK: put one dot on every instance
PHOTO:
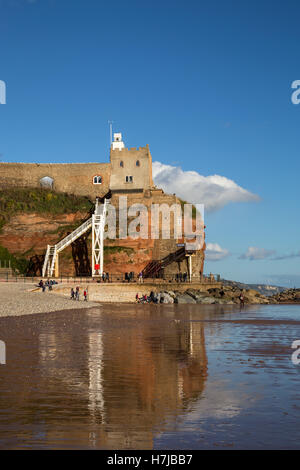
(206, 84)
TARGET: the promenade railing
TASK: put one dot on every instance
(114, 278)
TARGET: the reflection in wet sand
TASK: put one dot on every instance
(151, 376)
(107, 380)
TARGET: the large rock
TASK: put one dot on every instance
(168, 299)
(184, 299)
(172, 294)
(196, 294)
(206, 300)
(287, 296)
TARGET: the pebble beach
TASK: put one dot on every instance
(18, 299)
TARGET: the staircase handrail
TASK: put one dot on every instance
(81, 229)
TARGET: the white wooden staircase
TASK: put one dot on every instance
(97, 223)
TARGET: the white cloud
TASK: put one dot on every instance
(215, 253)
(287, 256)
(213, 191)
(255, 253)
(220, 402)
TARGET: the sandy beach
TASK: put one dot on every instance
(21, 299)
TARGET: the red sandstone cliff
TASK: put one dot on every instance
(27, 236)
(32, 219)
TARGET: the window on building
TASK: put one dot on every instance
(129, 179)
(138, 163)
(47, 182)
(97, 179)
(122, 164)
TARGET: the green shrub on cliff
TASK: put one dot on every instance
(40, 201)
(117, 249)
(18, 264)
(194, 209)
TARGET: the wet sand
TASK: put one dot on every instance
(25, 299)
(151, 377)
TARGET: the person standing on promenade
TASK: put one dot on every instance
(85, 294)
(77, 293)
(141, 277)
(72, 294)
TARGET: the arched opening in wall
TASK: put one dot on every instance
(47, 182)
(97, 179)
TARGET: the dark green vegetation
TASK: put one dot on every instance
(40, 201)
(194, 210)
(18, 264)
(117, 249)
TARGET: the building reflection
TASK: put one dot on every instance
(143, 379)
(110, 381)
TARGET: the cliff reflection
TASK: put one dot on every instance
(132, 376)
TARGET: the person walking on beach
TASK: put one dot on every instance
(72, 294)
(85, 294)
(242, 299)
(140, 277)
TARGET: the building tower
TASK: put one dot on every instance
(117, 143)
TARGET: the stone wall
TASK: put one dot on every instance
(124, 292)
(77, 178)
(73, 178)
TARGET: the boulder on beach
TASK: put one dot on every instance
(225, 295)
(287, 296)
(184, 299)
(168, 299)
(206, 300)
